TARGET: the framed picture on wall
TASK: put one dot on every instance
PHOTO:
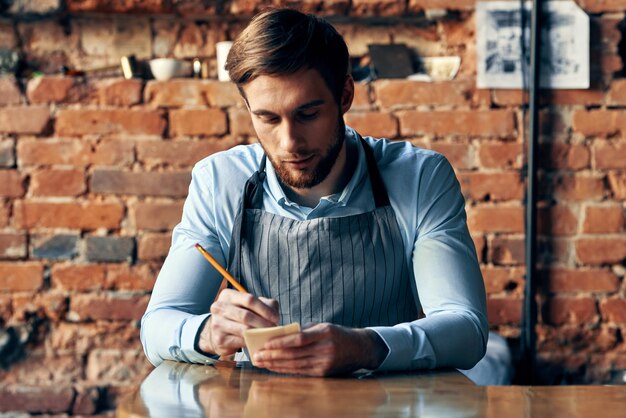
(503, 45)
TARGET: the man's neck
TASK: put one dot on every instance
(337, 179)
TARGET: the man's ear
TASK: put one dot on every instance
(347, 95)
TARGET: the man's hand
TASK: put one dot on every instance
(323, 350)
(232, 313)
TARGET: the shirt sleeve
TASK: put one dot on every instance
(186, 285)
(449, 284)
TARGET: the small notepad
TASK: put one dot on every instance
(255, 338)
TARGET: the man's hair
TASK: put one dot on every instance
(284, 41)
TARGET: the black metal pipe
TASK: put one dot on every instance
(529, 336)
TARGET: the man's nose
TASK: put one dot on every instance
(290, 139)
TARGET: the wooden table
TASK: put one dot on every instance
(184, 390)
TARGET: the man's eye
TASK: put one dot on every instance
(269, 119)
(308, 115)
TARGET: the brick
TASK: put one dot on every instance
(181, 153)
(497, 123)
(86, 401)
(75, 122)
(49, 89)
(54, 247)
(460, 155)
(109, 38)
(600, 250)
(135, 277)
(405, 93)
(10, 94)
(87, 216)
(7, 153)
(20, 276)
(4, 214)
(422, 39)
(175, 93)
(111, 181)
(11, 183)
(78, 277)
(599, 122)
(421, 5)
(117, 365)
(117, 6)
(197, 40)
(617, 183)
(500, 154)
(377, 8)
(506, 250)
(153, 246)
(361, 100)
(557, 221)
(6, 308)
(53, 306)
(84, 337)
(617, 93)
(456, 32)
(165, 32)
(50, 399)
(119, 92)
(563, 310)
(57, 183)
(29, 8)
(110, 249)
(380, 125)
(496, 219)
(581, 280)
(113, 153)
(24, 120)
(503, 279)
(576, 187)
(200, 122)
(601, 6)
(503, 311)
(156, 216)
(609, 154)
(66, 369)
(614, 310)
(107, 306)
(52, 152)
(505, 185)
(555, 249)
(603, 219)
(240, 123)
(12, 246)
(222, 94)
(587, 97)
(8, 38)
(359, 37)
(564, 156)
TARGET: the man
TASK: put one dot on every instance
(348, 236)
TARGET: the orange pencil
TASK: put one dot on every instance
(221, 269)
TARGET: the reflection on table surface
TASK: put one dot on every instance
(227, 390)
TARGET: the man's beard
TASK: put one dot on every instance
(300, 180)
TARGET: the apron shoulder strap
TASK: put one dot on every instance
(381, 198)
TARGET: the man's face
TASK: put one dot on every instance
(299, 125)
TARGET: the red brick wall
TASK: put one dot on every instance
(93, 174)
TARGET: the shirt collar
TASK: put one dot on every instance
(341, 198)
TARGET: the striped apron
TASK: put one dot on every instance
(348, 271)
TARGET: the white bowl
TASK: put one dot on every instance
(165, 68)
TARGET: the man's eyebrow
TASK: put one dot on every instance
(305, 106)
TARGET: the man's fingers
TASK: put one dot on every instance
(245, 309)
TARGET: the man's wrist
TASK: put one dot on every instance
(203, 343)
(376, 347)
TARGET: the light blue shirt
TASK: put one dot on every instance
(429, 207)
